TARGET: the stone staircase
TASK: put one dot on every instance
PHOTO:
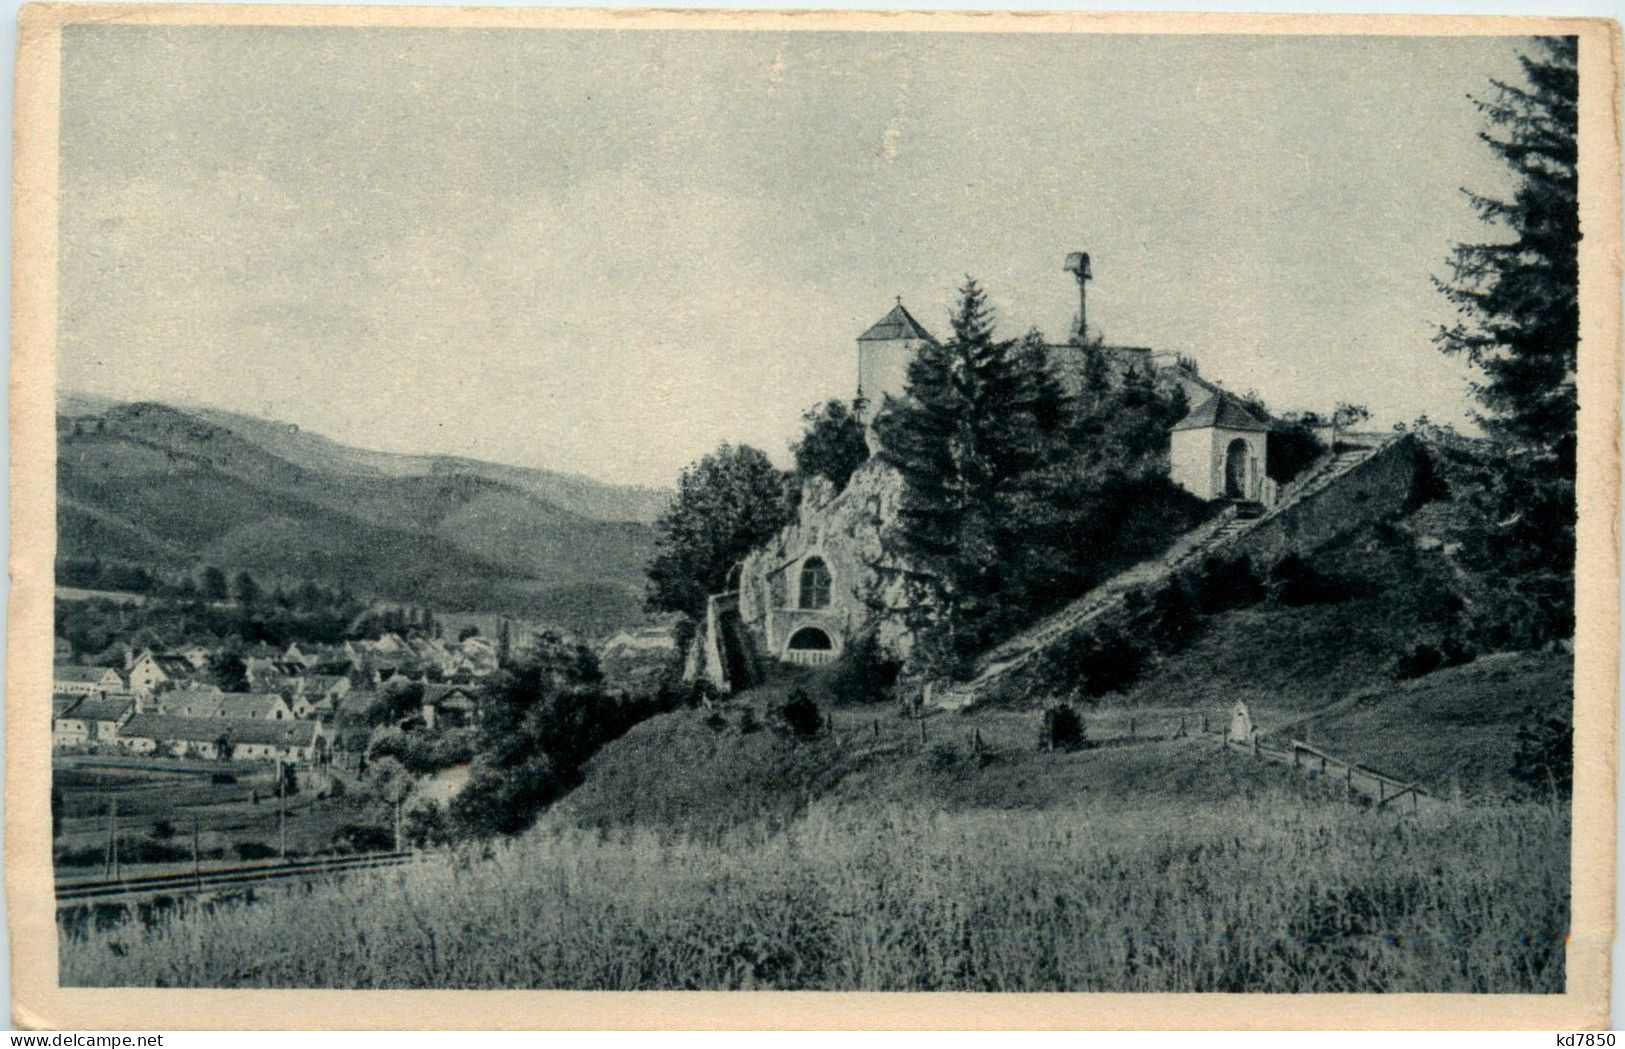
(1209, 538)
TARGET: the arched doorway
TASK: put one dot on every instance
(809, 647)
(1235, 469)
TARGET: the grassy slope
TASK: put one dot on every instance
(1330, 666)
(1453, 728)
(1296, 659)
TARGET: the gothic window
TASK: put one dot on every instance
(814, 584)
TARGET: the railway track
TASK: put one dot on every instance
(134, 890)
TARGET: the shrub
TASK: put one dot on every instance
(253, 850)
(865, 672)
(163, 830)
(1419, 661)
(800, 714)
(1226, 583)
(130, 850)
(1063, 729)
(1296, 583)
(748, 722)
(1425, 658)
(423, 751)
(428, 826)
(218, 778)
(360, 837)
(714, 720)
(1543, 764)
(1170, 618)
(1292, 446)
(1094, 661)
(700, 693)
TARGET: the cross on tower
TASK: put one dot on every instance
(1077, 264)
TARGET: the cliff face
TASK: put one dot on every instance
(846, 532)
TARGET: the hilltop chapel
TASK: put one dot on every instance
(815, 585)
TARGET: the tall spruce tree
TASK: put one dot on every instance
(1518, 322)
(978, 417)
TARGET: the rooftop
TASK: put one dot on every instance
(1222, 411)
(207, 730)
(898, 324)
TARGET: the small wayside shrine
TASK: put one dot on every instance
(1218, 451)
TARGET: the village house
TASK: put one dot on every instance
(223, 739)
(197, 654)
(448, 706)
(77, 720)
(153, 672)
(241, 706)
(85, 681)
(317, 687)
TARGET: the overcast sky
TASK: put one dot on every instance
(605, 252)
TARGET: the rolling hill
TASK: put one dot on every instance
(158, 484)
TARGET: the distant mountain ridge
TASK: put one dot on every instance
(578, 494)
(153, 483)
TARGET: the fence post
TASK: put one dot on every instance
(1204, 724)
(1382, 793)
(1415, 800)
(922, 731)
(1348, 781)
(877, 728)
(1258, 751)
(1181, 727)
(1131, 728)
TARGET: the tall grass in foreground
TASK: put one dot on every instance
(1136, 895)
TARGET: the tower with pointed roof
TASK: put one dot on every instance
(884, 354)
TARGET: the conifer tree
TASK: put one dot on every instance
(1518, 321)
(979, 416)
(1517, 297)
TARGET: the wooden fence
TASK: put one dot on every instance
(1357, 778)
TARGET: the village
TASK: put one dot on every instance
(163, 704)
(320, 733)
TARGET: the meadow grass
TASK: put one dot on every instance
(1125, 893)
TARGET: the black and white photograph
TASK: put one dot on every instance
(635, 508)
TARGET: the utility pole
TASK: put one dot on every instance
(281, 813)
(112, 836)
(398, 823)
(197, 869)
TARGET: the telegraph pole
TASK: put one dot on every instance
(112, 829)
(281, 813)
